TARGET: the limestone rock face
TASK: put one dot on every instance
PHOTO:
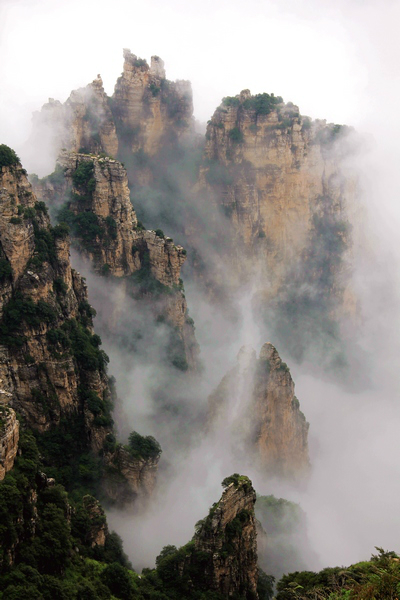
(146, 106)
(228, 538)
(51, 367)
(272, 172)
(146, 111)
(9, 436)
(84, 122)
(139, 477)
(89, 121)
(282, 430)
(118, 246)
(257, 405)
(44, 305)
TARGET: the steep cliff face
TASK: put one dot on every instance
(51, 366)
(221, 559)
(9, 436)
(228, 538)
(270, 170)
(46, 319)
(106, 231)
(129, 479)
(256, 402)
(146, 113)
(147, 108)
(83, 122)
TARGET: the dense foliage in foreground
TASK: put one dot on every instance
(377, 579)
(49, 549)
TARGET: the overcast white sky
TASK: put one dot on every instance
(334, 59)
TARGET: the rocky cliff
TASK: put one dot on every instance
(106, 231)
(48, 349)
(145, 113)
(130, 479)
(83, 123)
(270, 170)
(228, 539)
(9, 436)
(51, 366)
(221, 559)
(148, 109)
(257, 405)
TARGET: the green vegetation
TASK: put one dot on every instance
(285, 123)
(330, 134)
(160, 233)
(5, 270)
(278, 514)
(20, 310)
(231, 101)
(100, 407)
(140, 62)
(378, 579)
(236, 135)
(143, 282)
(56, 178)
(262, 104)
(140, 446)
(237, 480)
(233, 531)
(83, 176)
(155, 90)
(89, 231)
(175, 350)
(82, 344)
(218, 174)
(8, 157)
(85, 226)
(55, 559)
(112, 229)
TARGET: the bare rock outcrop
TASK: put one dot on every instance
(256, 403)
(130, 478)
(147, 107)
(273, 173)
(145, 112)
(227, 541)
(9, 436)
(106, 231)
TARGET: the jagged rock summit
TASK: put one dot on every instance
(221, 559)
(257, 404)
(145, 111)
(228, 538)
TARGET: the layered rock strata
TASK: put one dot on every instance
(257, 405)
